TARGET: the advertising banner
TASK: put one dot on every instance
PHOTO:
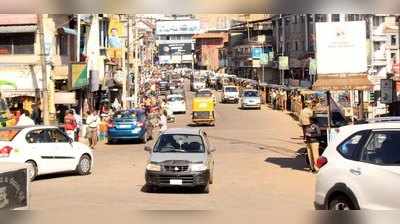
(175, 48)
(341, 47)
(78, 75)
(115, 32)
(177, 27)
(23, 79)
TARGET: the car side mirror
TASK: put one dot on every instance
(147, 148)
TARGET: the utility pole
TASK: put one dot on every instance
(45, 102)
(78, 37)
(128, 64)
(136, 65)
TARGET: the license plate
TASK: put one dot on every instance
(134, 131)
(124, 126)
(175, 182)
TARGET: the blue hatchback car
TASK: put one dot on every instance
(130, 125)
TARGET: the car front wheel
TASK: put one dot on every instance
(84, 165)
(341, 203)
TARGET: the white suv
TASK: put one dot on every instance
(360, 169)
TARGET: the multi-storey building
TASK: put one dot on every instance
(294, 36)
(175, 40)
(237, 57)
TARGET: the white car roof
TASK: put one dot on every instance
(368, 126)
(204, 90)
(348, 130)
(174, 95)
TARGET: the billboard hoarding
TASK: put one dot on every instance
(175, 48)
(341, 47)
(177, 27)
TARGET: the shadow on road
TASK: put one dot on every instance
(296, 163)
(55, 175)
(171, 190)
(198, 125)
(125, 142)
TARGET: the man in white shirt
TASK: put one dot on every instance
(24, 119)
(93, 121)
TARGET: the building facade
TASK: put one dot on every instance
(206, 49)
(175, 40)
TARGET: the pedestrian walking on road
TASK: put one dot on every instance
(70, 124)
(313, 133)
(103, 127)
(163, 121)
(273, 96)
(93, 121)
(305, 118)
(79, 124)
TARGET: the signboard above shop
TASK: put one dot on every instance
(283, 63)
(177, 27)
(78, 75)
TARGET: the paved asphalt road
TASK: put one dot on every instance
(256, 166)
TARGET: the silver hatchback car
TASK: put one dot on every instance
(181, 157)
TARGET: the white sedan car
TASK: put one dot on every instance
(45, 149)
(176, 103)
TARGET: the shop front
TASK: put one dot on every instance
(20, 88)
(349, 91)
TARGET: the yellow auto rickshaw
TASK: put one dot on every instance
(203, 111)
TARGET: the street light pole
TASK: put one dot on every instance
(46, 115)
(136, 65)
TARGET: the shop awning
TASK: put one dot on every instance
(343, 82)
(18, 29)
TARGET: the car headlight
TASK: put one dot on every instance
(153, 167)
(198, 167)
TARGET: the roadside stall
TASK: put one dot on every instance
(348, 92)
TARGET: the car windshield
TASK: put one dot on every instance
(179, 143)
(175, 98)
(203, 94)
(125, 116)
(250, 94)
(230, 89)
(8, 134)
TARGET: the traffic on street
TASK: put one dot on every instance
(169, 112)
